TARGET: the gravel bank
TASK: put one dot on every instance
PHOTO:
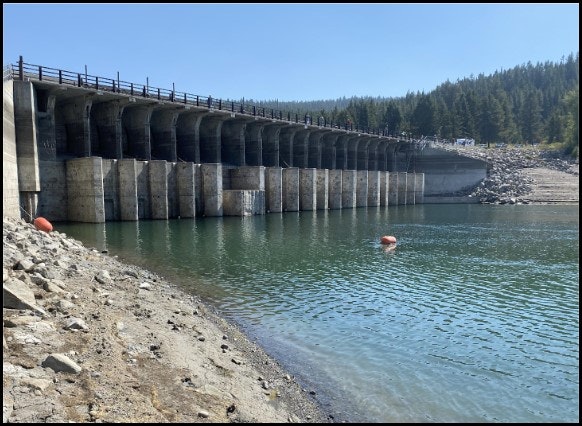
(523, 175)
(87, 338)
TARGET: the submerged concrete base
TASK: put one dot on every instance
(100, 190)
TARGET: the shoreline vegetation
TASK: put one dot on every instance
(88, 338)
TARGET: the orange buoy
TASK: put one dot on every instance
(388, 239)
(42, 224)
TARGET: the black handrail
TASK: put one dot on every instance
(42, 73)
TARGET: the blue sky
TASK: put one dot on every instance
(289, 51)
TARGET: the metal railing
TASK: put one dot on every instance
(23, 71)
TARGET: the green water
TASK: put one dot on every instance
(474, 317)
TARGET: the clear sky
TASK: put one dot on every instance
(289, 51)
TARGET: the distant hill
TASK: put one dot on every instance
(526, 104)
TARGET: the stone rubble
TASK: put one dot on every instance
(505, 182)
(87, 338)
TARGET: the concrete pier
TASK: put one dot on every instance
(349, 189)
(274, 189)
(322, 189)
(291, 189)
(361, 188)
(85, 187)
(335, 189)
(402, 187)
(307, 189)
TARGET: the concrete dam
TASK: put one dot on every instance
(91, 149)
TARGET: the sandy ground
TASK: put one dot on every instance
(139, 349)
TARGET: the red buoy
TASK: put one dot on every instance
(388, 239)
(42, 224)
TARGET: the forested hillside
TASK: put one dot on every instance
(528, 104)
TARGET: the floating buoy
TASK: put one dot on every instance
(42, 224)
(388, 239)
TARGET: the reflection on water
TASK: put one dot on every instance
(473, 318)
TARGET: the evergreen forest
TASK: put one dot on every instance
(528, 104)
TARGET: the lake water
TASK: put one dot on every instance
(474, 317)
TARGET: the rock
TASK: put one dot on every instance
(61, 362)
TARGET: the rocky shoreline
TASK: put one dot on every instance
(508, 179)
(87, 338)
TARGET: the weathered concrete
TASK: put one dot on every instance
(254, 143)
(107, 129)
(300, 148)
(188, 135)
(127, 180)
(243, 202)
(210, 138)
(322, 189)
(419, 188)
(163, 134)
(271, 140)
(335, 189)
(232, 142)
(10, 195)
(274, 189)
(384, 188)
(393, 189)
(349, 185)
(74, 117)
(410, 188)
(25, 132)
(186, 174)
(250, 178)
(362, 188)
(212, 189)
(85, 187)
(53, 196)
(143, 189)
(307, 189)
(448, 172)
(136, 124)
(158, 184)
(291, 189)
(373, 188)
(402, 186)
(111, 189)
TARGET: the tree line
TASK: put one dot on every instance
(527, 104)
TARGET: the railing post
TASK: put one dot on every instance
(78, 80)
(185, 100)
(20, 69)
(232, 106)
(96, 83)
(113, 85)
(197, 100)
(39, 73)
(254, 110)
(60, 77)
(220, 104)
(131, 89)
(159, 97)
